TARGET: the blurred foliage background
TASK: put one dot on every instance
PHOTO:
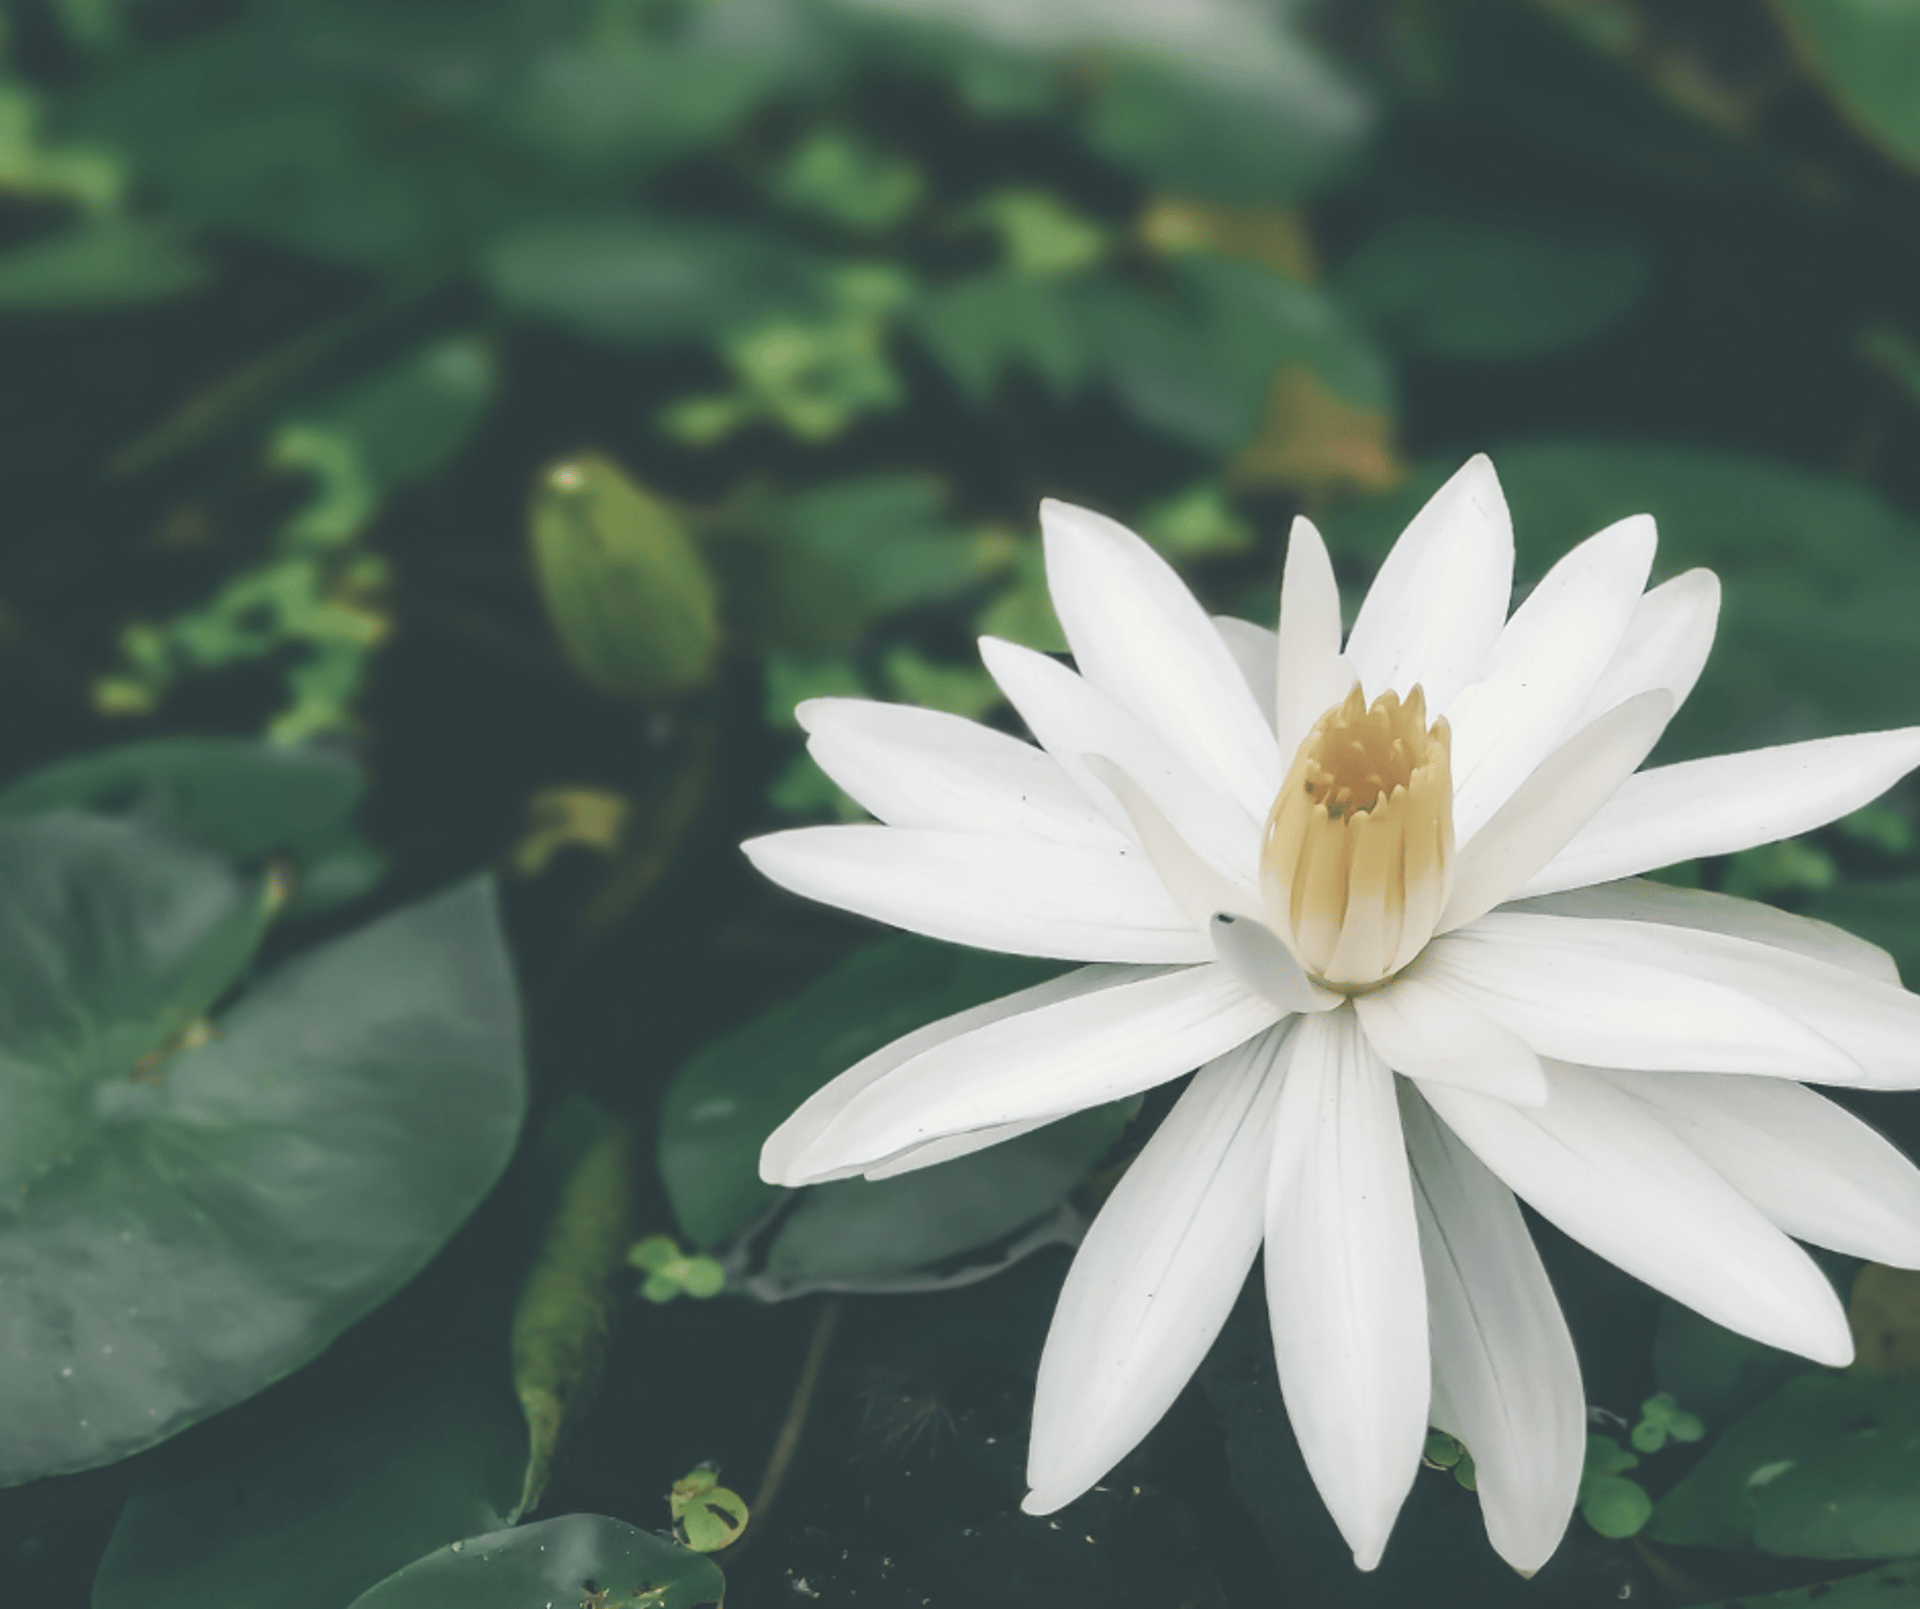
(441, 435)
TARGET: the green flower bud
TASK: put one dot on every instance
(628, 593)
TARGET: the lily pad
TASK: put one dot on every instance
(191, 1209)
(578, 1558)
(246, 799)
(322, 1489)
(1823, 1469)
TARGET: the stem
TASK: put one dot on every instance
(788, 1441)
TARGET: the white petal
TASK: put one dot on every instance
(1156, 1276)
(1554, 803)
(1096, 1047)
(1138, 635)
(1875, 1025)
(1602, 1167)
(953, 1146)
(1812, 1167)
(1345, 1291)
(1729, 802)
(1257, 956)
(1073, 902)
(1547, 660)
(810, 1119)
(1437, 605)
(1505, 1378)
(1310, 673)
(916, 767)
(1253, 649)
(1196, 887)
(1635, 899)
(1072, 719)
(1425, 1032)
(1665, 646)
(1623, 994)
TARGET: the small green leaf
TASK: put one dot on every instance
(628, 594)
(706, 1515)
(565, 1314)
(837, 176)
(563, 1562)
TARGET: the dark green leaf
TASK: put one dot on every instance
(1867, 54)
(248, 800)
(323, 1488)
(640, 281)
(1892, 1586)
(1824, 1468)
(896, 1233)
(98, 262)
(1453, 286)
(238, 1201)
(737, 1091)
(555, 1562)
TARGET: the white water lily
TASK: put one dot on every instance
(1385, 897)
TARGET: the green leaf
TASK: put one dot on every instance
(1452, 286)
(610, 109)
(241, 1199)
(248, 800)
(1198, 364)
(566, 1310)
(705, 1513)
(323, 1488)
(1866, 54)
(890, 1234)
(1822, 576)
(559, 1562)
(1823, 1468)
(839, 177)
(413, 414)
(1892, 1586)
(980, 327)
(739, 1089)
(628, 593)
(98, 262)
(642, 281)
(1232, 104)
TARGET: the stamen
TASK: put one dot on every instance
(1359, 845)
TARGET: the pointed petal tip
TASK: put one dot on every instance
(1038, 1503)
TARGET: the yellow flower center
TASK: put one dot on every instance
(1359, 845)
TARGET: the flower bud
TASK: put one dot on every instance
(628, 593)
